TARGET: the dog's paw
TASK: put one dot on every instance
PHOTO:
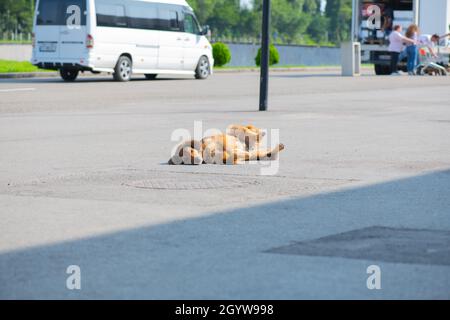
(196, 161)
(281, 147)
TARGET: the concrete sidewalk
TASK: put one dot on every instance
(83, 181)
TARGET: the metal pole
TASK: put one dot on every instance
(264, 85)
(355, 16)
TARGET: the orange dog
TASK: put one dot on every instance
(239, 144)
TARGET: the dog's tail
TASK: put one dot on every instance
(269, 154)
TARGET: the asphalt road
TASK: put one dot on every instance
(364, 180)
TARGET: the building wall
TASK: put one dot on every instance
(243, 55)
(17, 52)
(434, 16)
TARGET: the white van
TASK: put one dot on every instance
(122, 37)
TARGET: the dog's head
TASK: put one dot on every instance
(189, 153)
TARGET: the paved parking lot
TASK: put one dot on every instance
(364, 180)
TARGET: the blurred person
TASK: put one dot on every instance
(387, 21)
(396, 44)
(429, 41)
(412, 50)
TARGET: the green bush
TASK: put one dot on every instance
(274, 56)
(221, 54)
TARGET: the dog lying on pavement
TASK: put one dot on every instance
(240, 144)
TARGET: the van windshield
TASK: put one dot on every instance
(61, 12)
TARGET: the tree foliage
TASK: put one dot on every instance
(292, 21)
(16, 16)
(339, 13)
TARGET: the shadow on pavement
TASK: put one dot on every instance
(228, 254)
(306, 75)
(315, 75)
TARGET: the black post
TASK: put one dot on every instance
(264, 85)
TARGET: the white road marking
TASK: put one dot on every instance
(17, 90)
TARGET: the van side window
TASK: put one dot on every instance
(174, 21)
(190, 24)
(169, 18)
(110, 15)
(143, 16)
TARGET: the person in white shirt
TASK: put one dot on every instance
(396, 43)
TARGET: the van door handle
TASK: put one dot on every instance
(187, 39)
(178, 39)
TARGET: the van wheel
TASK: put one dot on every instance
(151, 76)
(123, 69)
(203, 68)
(69, 74)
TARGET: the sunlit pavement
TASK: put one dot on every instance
(364, 180)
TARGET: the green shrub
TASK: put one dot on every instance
(274, 56)
(221, 54)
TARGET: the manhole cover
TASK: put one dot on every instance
(190, 183)
(380, 244)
